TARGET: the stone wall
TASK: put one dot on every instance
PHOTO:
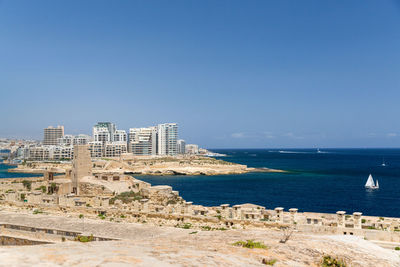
(14, 241)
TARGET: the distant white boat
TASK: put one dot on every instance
(318, 151)
(383, 163)
(370, 184)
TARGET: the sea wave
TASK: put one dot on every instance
(297, 152)
(294, 152)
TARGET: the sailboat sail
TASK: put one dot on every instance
(370, 182)
(377, 184)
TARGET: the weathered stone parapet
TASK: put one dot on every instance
(293, 215)
(224, 210)
(188, 208)
(144, 205)
(340, 218)
(279, 214)
(237, 212)
(357, 220)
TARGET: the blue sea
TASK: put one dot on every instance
(5, 174)
(328, 181)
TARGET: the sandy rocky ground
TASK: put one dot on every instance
(146, 245)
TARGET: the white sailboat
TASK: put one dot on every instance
(370, 184)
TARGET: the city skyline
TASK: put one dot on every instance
(106, 141)
(232, 74)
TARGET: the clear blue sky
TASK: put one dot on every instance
(231, 73)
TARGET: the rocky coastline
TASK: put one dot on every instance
(188, 166)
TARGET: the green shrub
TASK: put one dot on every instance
(206, 228)
(81, 216)
(63, 239)
(250, 244)
(53, 188)
(27, 184)
(191, 233)
(184, 226)
(84, 239)
(126, 197)
(397, 248)
(102, 216)
(269, 262)
(36, 211)
(381, 218)
(123, 216)
(22, 196)
(42, 188)
(363, 220)
(329, 261)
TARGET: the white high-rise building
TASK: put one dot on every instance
(181, 146)
(143, 141)
(70, 140)
(115, 149)
(167, 139)
(120, 136)
(114, 142)
(96, 149)
(101, 134)
(104, 132)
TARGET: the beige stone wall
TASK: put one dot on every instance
(64, 189)
(93, 189)
(34, 198)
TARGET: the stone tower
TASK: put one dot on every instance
(81, 166)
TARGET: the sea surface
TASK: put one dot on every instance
(328, 181)
(5, 174)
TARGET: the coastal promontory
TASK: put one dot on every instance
(149, 165)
